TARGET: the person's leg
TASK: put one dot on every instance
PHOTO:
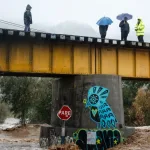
(122, 36)
(103, 36)
(29, 28)
(25, 29)
(142, 40)
(125, 36)
(138, 38)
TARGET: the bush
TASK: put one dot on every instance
(141, 107)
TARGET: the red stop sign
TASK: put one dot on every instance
(64, 113)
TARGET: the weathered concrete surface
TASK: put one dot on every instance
(127, 131)
(72, 90)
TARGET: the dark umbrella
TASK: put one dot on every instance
(123, 15)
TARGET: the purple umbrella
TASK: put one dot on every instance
(123, 15)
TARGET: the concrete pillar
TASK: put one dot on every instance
(72, 90)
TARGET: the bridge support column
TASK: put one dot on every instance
(73, 90)
(96, 102)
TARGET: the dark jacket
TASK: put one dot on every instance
(103, 29)
(28, 15)
(124, 26)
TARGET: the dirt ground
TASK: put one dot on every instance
(27, 138)
(23, 138)
(140, 140)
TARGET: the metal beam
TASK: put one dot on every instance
(45, 53)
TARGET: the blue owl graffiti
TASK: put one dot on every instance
(100, 111)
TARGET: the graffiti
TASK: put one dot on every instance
(100, 111)
(103, 116)
(68, 139)
(104, 139)
(48, 138)
(54, 140)
(43, 142)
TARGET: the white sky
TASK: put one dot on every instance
(52, 12)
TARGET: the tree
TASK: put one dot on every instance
(130, 89)
(18, 92)
(141, 107)
(41, 110)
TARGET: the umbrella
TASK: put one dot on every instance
(123, 15)
(104, 21)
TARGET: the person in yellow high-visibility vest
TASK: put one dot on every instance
(139, 28)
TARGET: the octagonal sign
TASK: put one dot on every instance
(65, 113)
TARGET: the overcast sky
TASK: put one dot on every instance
(52, 12)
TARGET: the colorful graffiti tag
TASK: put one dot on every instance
(100, 111)
(104, 139)
(106, 135)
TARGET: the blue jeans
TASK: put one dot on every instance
(27, 28)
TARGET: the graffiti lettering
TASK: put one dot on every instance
(104, 139)
(55, 140)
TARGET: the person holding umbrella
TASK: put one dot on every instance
(139, 28)
(103, 30)
(103, 26)
(125, 29)
(124, 25)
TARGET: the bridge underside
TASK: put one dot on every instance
(24, 54)
(72, 58)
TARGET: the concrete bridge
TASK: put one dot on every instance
(87, 67)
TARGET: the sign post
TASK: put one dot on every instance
(63, 133)
(64, 114)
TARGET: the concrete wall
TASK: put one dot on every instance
(72, 90)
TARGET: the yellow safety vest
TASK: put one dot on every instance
(140, 29)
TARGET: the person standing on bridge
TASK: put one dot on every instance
(139, 28)
(125, 29)
(103, 31)
(27, 18)
(124, 25)
(103, 24)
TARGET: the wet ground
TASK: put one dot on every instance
(19, 146)
(27, 138)
(23, 138)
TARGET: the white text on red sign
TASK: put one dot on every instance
(66, 113)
